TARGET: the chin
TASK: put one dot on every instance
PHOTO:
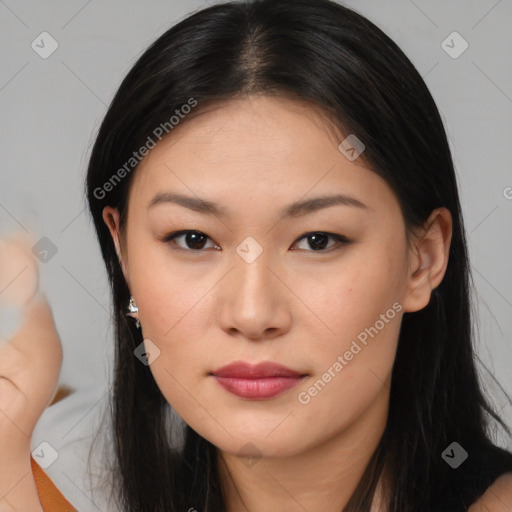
(257, 445)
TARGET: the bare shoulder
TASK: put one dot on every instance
(497, 498)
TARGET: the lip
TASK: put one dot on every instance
(257, 382)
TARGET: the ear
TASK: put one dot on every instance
(428, 259)
(111, 218)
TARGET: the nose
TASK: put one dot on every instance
(254, 303)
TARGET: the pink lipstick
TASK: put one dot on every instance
(257, 382)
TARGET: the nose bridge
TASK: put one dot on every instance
(255, 303)
(254, 279)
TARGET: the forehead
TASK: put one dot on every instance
(273, 148)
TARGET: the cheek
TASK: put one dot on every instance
(174, 310)
(173, 317)
(360, 324)
(353, 366)
(176, 320)
(353, 295)
(169, 291)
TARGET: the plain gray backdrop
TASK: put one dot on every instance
(51, 109)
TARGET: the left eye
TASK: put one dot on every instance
(318, 240)
(195, 240)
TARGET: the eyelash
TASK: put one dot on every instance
(342, 240)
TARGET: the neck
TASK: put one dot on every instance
(321, 477)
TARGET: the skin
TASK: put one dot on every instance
(267, 310)
(301, 308)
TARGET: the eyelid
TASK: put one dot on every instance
(341, 240)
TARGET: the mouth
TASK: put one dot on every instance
(257, 382)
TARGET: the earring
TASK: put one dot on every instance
(132, 311)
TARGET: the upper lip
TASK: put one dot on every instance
(243, 370)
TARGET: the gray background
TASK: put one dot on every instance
(51, 109)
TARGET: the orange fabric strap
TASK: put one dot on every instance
(51, 498)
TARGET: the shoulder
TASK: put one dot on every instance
(497, 497)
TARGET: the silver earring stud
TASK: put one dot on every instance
(133, 311)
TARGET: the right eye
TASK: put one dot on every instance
(193, 240)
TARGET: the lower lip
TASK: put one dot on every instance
(258, 388)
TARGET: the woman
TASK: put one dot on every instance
(276, 205)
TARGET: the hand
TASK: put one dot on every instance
(30, 362)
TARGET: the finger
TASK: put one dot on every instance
(34, 355)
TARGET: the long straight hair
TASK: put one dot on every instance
(331, 56)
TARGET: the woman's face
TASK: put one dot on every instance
(252, 286)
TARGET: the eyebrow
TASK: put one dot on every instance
(297, 209)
